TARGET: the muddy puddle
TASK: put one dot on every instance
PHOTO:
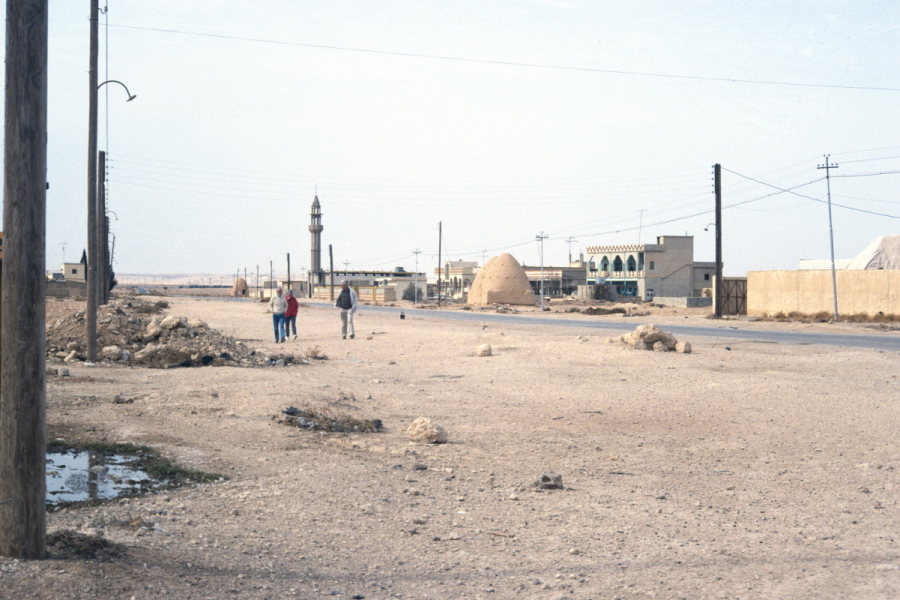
(83, 475)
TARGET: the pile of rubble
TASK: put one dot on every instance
(128, 332)
(651, 337)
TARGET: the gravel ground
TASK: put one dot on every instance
(742, 470)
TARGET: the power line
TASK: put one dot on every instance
(790, 191)
(507, 63)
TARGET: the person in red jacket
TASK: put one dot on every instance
(290, 315)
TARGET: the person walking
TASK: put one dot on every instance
(277, 304)
(290, 314)
(347, 301)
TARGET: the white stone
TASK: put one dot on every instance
(483, 350)
(424, 431)
(111, 352)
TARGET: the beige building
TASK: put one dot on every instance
(456, 277)
(664, 269)
(74, 271)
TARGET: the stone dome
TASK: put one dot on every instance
(501, 280)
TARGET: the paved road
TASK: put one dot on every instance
(887, 340)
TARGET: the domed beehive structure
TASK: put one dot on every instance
(501, 280)
(239, 288)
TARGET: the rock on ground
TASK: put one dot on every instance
(424, 431)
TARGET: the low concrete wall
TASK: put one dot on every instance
(365, 294)
(66, 289)
(682, 302)
(809, 292)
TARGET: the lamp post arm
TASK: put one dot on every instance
(130, 95)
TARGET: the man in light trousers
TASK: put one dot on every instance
(277, 304)
(347, 301)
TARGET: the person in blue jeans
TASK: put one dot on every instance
(277, 304)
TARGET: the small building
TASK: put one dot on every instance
(74, 271)
(558, 281)
(664, 269)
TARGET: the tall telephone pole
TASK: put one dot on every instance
(828, 168)
(540, 238)
(718, 289)
(23, 420)
(93, 273)
(417, 252)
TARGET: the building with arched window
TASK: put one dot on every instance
(663, 269)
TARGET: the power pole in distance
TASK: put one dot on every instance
(331, 271)
(828, 168)
(540, 238)
(440, 266)
(417, 252)
(718, 289)
(569, 241)
(23, 421)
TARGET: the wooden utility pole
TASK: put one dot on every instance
(103, 222)
(289, 270)
(23, 425)
(718, 289)
(440, 265)
(93, 243)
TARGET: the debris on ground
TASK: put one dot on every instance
(67, 543)
(314, 353)
(651, 337)
(483, 350)
(325, 420)
(548, 481)
(129, 331)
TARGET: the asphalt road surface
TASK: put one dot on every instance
(877, 340)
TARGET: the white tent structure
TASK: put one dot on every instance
(883, 253)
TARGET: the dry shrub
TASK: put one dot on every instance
(604, 311)
(824, 316)
(314, 353)
(324, 420)
(146, 309)
(880, 317)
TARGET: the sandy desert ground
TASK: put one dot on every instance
(742, 470)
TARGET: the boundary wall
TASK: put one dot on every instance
(365, 294)
(809, 292)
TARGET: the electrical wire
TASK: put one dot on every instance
(790, 191)
(507, 63)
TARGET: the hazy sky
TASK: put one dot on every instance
(500, 119)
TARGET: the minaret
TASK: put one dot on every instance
(315, 229)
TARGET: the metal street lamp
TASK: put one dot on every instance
(130, 95)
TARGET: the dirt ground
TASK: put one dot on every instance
(742, 470)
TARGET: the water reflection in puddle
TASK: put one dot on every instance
(79, 475)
